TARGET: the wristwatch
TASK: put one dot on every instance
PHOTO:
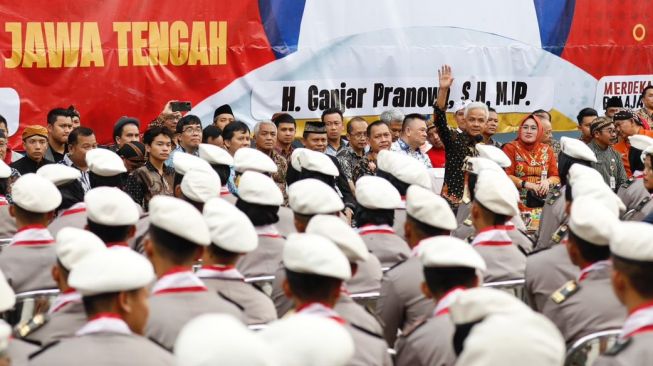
(523, 184)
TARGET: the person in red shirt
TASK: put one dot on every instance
(436, 152)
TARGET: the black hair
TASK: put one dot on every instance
(425, 230)
(28, 216)
(224, 171)
(401, 186)
(311, 287)
(109, 234)
(218, 252)
(442, 279)
(564, 165)
(259, 215)
(173, 247)
(471, 184)
(79, 131)
(99, 303)
(4, 183)
(490, 109)
(3, 121)
(542, 111)
(590, 252)
(211, 131)
(151, 133)
(496, 218)
(187, 120)
(177, 180)
(56, 113)
(121, 123)
(366, 216)
(284, 118)
(460, 335)
(374, 124)
(355, 119)
(586, 112)
(331, 111)
(645, 89)
(306, 133)
(232, 127)
(100, 181)
(327, 179)
(73, 112)
(640, 274)
(634, 158)
(411, 117)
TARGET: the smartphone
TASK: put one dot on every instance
(180, 106)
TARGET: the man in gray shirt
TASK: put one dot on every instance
(609, 162)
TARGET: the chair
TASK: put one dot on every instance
(29, 304)
(514, 287)
(366, 299)
(263, 283)
(587, 349)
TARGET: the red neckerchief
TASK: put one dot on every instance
(639, 321)
(104, 322)
(3, 201)
(117, 244)
(591, 268)
(267, 231)
(224, 191)
(375, 229)
(442, 307)
(493, 236)
(320, 309)
(32, 235)
(177, 280)
(76, 208)
(220, 271)
(65, 298)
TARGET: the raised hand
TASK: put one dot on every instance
(445, 77)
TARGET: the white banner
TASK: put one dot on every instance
(364, 97)
(627, 87)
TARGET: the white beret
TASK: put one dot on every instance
(577, 171)
(252, 159)
(7, 295)
(447, 251)
(311, 196)
(648, 151)
(5, 170)
(5, 335)
(73, 245)
(108, 271)
(254, 187)
(577, 149)
(640, 142)
(110, 206)
(590, 220)
(475, 304)
(59, 174)
(313, 161)
(519, 339)
(104, 162)
(215, 155)
(221, 339)
(184, 162)
(309, 340)
(314, 254)
(229, 227)
(403, 167)
(429, 208)
(476, 164)
(376, 193)
(335, 229)
(201, 185)
(180, 218)
(496, 192)
(36, 194)
(596, 189)
(495, 154)
(632, 240)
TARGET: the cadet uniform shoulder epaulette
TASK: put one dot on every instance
(637, 208)
(231, 301)
(619, 346)
(43, 349)
(366, 331)
(560, 233)
(410, 328)
(468, 220)
(628, 182)
(554, 194)
(33, 324)
(565, 292)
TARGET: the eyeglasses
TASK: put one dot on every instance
(192, 130)
(359, 135)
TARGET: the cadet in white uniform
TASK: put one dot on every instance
(177, 236)
(111, 214)
(632, 273)
(221, 162)
(66, 315)
(587, 305)
(402, 302)
(449, 267)
(232, 235)
(113, 284)
(26, 262)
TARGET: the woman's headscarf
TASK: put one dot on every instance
(538, 137)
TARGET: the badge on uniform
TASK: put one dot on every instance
(33, 324)
(553, 195)
(564, 292)
(560, 233)
(629, 182)
(468, 220)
